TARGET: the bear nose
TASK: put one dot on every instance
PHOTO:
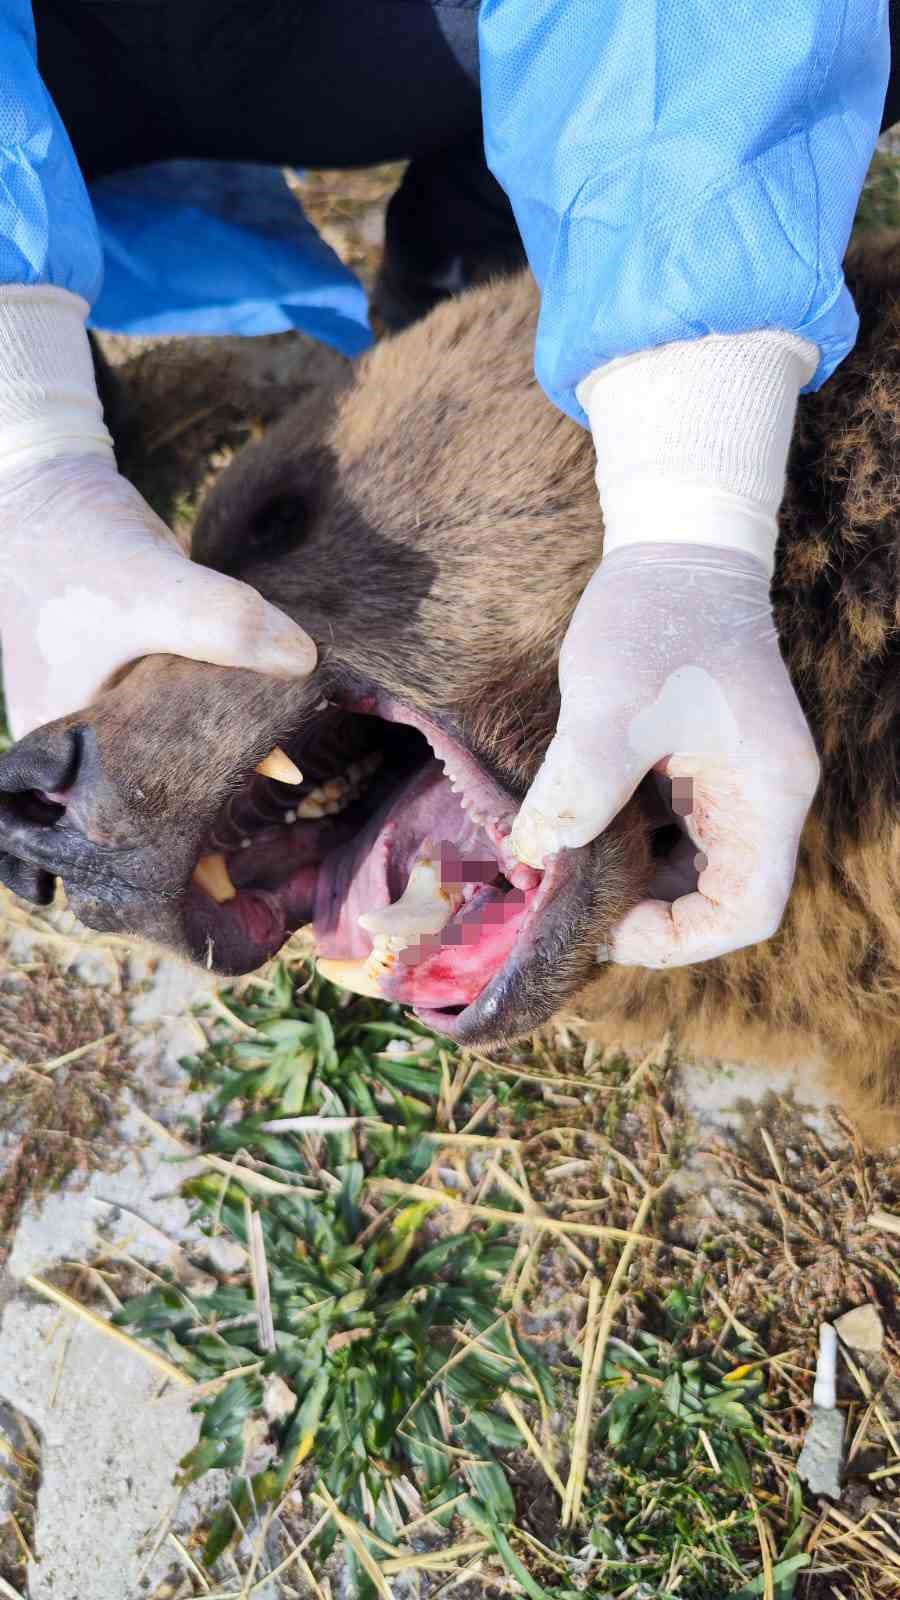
(37, 776)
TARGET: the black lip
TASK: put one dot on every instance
(216, 939)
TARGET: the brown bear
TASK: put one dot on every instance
(433, 530)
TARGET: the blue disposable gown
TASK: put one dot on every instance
(677, 167)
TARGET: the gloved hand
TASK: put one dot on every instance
(90, 578)
(671, 664)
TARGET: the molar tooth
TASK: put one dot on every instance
(279, 766)
(362, 768)
(211, 875)
(352, 975)
(290, 816)
(335, 788)
(312, 806)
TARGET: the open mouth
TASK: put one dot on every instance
(377, 828)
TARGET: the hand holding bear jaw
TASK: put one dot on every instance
(671, 662)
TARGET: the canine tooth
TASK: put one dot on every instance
(352, 975)
(280, 766)
(211, 874)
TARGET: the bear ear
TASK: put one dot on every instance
(279, 524)
(263, 505)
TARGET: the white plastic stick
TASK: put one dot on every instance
(825, 1390)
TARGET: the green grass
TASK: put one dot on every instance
(682, 1444)
(397, 1351)
(364, 1315)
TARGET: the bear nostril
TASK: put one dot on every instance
(37, 807)
(37, 777)
(46, 761)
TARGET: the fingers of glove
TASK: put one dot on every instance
(623, 706)
(745, 825)
(693, 929)
(80, 637)
(210, 617)
(586, 777)
(92, 579)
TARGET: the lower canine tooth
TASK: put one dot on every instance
(352, 975)
(211, 874)
(279, 766)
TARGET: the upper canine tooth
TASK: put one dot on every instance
(352, 975)
(211, 874)
(279, 766)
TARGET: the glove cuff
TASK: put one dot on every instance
(692, 439)
(48, 397)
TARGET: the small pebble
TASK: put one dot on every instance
(861, 1329)
(224, 1254)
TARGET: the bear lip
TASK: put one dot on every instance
(506, 919)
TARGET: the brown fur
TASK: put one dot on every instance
(434, 535)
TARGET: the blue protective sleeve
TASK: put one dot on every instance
(47, 229)
(682, 167)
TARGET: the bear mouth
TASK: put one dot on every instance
(377, 829)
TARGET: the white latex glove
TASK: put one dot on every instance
(671, 662)
(90, 577)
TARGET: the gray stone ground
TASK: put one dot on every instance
(111, 1429)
